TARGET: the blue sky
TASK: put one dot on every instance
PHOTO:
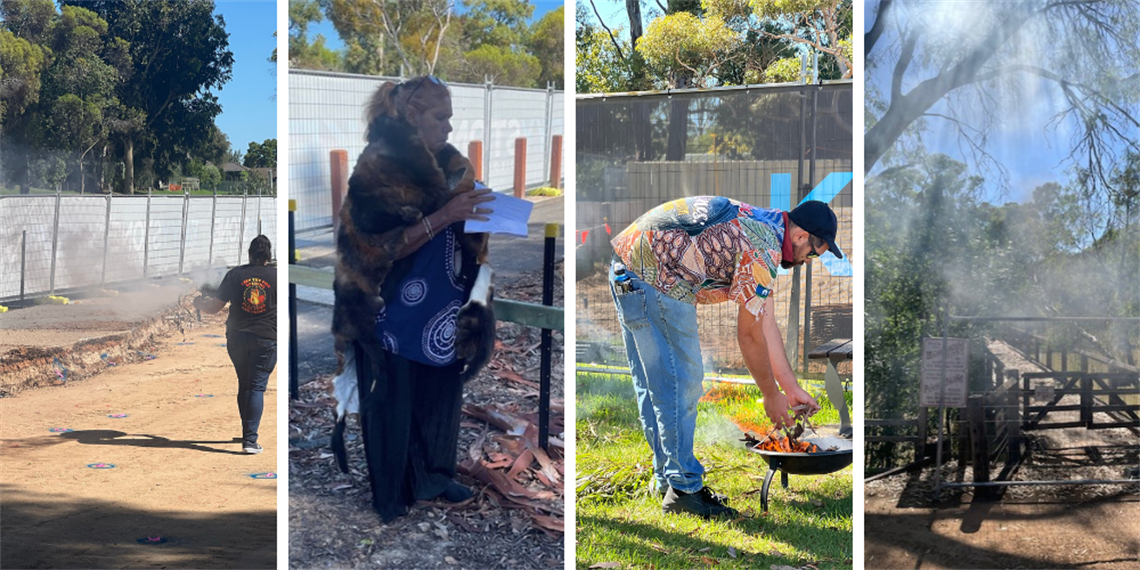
(1032, 153)
(332, 40)
(249, 112)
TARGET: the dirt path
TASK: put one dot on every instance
(179, 473)
(904, 532)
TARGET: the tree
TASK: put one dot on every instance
(822, 25)
(179, 51)
(303, 54)
(685, 49)
(262, 155)
(503, 66)
(959, 59)
(547, 44)
(501, 23)
(370, 26)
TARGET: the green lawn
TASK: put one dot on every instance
(620, 520)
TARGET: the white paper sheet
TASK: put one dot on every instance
(510, 216)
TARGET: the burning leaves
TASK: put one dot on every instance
(777, 442)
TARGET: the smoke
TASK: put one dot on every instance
(715, 429)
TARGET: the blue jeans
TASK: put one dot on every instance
(254, 358)
(664, 350)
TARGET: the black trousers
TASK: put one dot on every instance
(254, 358)
(410, 420)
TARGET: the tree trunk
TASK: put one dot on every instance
(679, 119)
(642, 134)
(129, 162)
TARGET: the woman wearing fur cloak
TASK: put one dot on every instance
(406, 332)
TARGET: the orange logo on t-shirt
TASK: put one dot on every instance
(253, 298)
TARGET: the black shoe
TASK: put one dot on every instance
(456, 493)
(704, 503)
(251, 448)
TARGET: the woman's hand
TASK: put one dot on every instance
(465, 206)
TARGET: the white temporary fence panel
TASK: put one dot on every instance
(79, 248)
(34, 215)
(126, 238)
(516, 113)
(228, 247)
(134, 248)
(326, 113)
(165, 237)
(199, 224)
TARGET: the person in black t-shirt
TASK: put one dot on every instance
(251, 331)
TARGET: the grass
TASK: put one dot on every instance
(620, 520)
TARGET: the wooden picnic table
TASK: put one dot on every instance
(835, 351)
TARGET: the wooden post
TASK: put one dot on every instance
(1086, 401)
(475, 157)
(520, 167)
(556, 161)
(1014, 415)
(980, 446)
(338, 175)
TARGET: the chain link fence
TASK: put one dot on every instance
(769, 146)
(326, 113)
(55, 243)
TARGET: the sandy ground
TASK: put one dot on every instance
(179, 472)
(1101, 535)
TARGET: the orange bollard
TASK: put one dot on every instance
(475, 156)
(520, 167)
(556, 161)
(338, 174)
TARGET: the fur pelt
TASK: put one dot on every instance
(396, 182)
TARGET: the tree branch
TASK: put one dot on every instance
(872, 36)
(902, 64)
(607, 29)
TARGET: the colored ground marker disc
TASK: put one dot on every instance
(60, 430)
(117, 416)
(183, 343)
(270, 475)
(223, 345)
(101, 465)
(212, 335)
(152, 540)
(203, 395)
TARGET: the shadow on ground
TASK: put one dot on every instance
(44, 532)
(111, 437)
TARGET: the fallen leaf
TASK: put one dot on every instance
(450, 560)
(366, 542)
(607, 565)
(732, 552)
(709, 561)
(705, 549)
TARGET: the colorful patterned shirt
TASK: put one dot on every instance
(706, 250)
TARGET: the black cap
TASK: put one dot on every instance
(817, 219)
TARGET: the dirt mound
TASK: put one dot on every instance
(32, 357)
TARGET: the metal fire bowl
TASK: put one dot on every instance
(820, 463)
